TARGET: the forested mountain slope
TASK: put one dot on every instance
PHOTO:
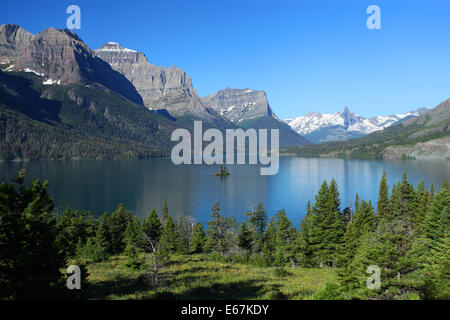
(74, 121)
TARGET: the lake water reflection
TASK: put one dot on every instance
(192, 189)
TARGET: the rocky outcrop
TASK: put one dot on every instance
(59, 56)
(239, 104)
(437, 149)
(13, 40)
(249, 108)
(160, 88)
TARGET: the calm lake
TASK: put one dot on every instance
(100, 186)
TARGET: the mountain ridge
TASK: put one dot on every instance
(55, 79)
(423, 137)
(248, 108)
(343, 125)
(160, 88)
(74, 121)
(59, 56)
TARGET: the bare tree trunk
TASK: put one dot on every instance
(152, 246)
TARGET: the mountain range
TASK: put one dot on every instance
(322, 127)
(172, 90)
(160, 88)
(58, 100)
(248, 108)
(61, 99)
(425, 137)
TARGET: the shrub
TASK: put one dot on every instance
(331, 291)
(91, 251)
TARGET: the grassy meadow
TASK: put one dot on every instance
(199, 277)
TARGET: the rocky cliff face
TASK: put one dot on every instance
(239, 104)
(13, 40)
(59, 56)
(160, 88)
(437, 149)
(250, 109)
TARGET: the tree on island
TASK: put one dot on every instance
(223, 171)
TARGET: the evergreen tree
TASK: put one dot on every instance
(431, 248)
(257, 226)
(118, 223)
(347, 216)
(424, 200)
(133, 238)
(364, 223)
(327, 228)
(168, 240)
(245, 237)
(420, 187)
(356, 201)
(304, 255)
(92, 250)
(103, 237)
(364, 219)
(165, 213)
(334, 196)
(152, 226)
(437, 271)
(270, 246)
(286, 240)
(437, 220)
(383, 197)
(198, 239)
(30, 258)
(185, 229)
(390, 248)
(73, 227)
(220, 231)
(403, 202)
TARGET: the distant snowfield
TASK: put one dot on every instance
(348, 120)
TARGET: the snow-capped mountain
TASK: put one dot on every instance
(249, 108)
(168, 89)
(321, 127)
(239, 104)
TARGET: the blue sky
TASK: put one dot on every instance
(307, 55)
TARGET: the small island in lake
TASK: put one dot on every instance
(223, 172)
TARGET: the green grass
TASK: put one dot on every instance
(199, 277)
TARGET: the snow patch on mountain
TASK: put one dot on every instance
(115, 47)
(36, 73)
(50, 82)
(347, 121)
(8, 69)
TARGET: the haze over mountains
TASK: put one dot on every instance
(322, 127)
